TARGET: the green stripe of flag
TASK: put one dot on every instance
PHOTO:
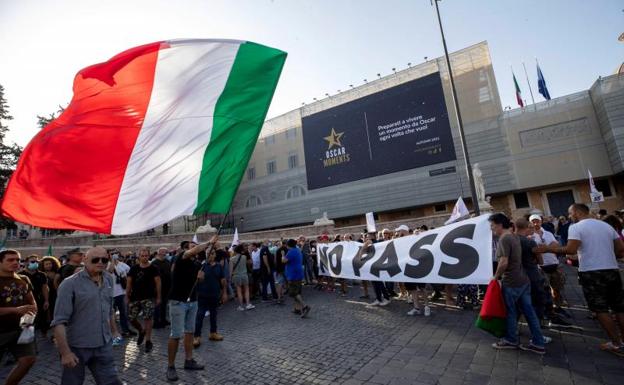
(239, 115)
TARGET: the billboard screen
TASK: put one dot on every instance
(397, 129)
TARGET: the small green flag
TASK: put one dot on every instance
(49, 250)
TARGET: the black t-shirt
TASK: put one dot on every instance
(164, 268)
(143, 284)
(270, 258)
(279, 254)
(528, 257)
(66, 271)
(37, 279)
(183, 279)
(13, 293)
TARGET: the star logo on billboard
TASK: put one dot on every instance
(334, 139)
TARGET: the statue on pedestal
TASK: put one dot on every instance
(482, 200)
(323, 221)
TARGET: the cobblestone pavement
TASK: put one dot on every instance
(345, 342)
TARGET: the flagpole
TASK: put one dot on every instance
(529, 83)
(473, 190)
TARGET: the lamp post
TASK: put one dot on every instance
(473, 190)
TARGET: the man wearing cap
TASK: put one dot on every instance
(550, 265)
(74, 261)
(82, 322)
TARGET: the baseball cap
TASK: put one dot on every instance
(76, 250)
(402, 228)
(534, 217)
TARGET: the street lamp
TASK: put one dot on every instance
(473, 190)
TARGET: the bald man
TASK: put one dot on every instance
(82, 319)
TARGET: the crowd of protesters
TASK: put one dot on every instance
(93, 300)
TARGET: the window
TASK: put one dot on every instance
(251, 173)
(293, 161)
(271, 167)
(521, 200)
(295, 192)
(268, 140)
(604, 187)
(291, 133)
(441, 208)
(253, 201)
(484, 94)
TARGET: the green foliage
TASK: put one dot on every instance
(9, 154)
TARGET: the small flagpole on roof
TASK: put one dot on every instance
(528, 82)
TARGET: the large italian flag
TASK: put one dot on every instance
(158, 131)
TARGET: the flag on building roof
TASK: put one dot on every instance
(541, 84)
(518, 93)
(158, 131)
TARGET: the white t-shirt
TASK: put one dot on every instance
(255, 259)
(122, 270)
(596, 251)
(546, 239)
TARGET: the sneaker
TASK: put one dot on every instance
(612, 348)
(192, 365)
(427, 311)
(413, 312)
(410, 300)
(249, 307)
(215, 337)
(385, 302)
(375, 303)
(533, 348)
(207, 313)
(547, 340)
(172, 375)
(141, 338)
(240, 308)
(305, 311)
(502, 344)
(148, 346)
(117, 341)
(365, 296)
(196, 342)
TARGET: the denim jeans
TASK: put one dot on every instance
(120, 304)
(538, 294)
(203, 304)
(520, 297)
(183, 316)
(100, 362)
(308, 267)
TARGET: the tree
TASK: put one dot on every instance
(43, 121)
(9, 154)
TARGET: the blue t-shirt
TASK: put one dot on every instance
(294, 266)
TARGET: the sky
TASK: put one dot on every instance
(330, 43)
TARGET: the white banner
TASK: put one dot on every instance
(460, 253)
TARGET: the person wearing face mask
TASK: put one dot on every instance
(41, 291)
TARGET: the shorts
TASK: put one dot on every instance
(294, 288)
(8, 342)
(182, 316)
(145, 306)
(603, 290)
(411, 286)
(240, 280)
(554, 277)
(279, 278)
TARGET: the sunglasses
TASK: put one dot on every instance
(97, 260)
